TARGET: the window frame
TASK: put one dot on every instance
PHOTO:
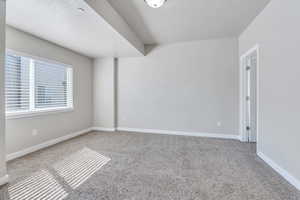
(32, 112)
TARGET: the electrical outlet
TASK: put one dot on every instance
(219, 124)
(34, 132)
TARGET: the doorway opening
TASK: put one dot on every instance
(249, 95)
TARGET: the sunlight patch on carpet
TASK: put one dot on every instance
(40, 185)
(80, 166)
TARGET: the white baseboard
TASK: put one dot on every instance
(285, 174)
(4, 180)
(45, 144)
(183, 133)
(103, 129)
(242, 139)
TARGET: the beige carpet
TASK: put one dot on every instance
(131, 166)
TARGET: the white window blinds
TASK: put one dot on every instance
(33, 85)
(51, 85)
(17, 83)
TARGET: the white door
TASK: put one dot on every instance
(250, 67)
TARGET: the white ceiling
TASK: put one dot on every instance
(122, 27)
(188, 20)
(61, 22)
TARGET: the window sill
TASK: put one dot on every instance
(41, 112)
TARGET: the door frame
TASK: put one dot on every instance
(243, 133)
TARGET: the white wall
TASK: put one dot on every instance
(104, 93)
(277, 31)
(2, 120)
(54, 125)
(181, 87)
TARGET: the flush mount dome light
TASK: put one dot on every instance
(81, 9)
(155, 3)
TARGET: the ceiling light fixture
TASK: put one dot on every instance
(81, 9)
(155, 3)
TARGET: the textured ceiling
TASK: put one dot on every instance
(188, 20)
(104, 32)
(61, 22)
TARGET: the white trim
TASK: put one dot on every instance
(32, 85)
(19, 53)
(104, 129)
(243, 135)
(45, 144)
(254, 48)
(37, 112)
(70, 95)
(4, 180)
(183, 133)
(285, 174)
(33, 111)
(240, 138)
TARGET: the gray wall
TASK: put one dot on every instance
(277, 32)
(54, 125)
(104, 93)
(181, 87)
(2, 118)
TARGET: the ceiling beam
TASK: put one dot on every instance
(112, 17)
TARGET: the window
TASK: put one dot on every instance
(34, 86)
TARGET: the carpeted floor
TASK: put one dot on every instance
(131, 166)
